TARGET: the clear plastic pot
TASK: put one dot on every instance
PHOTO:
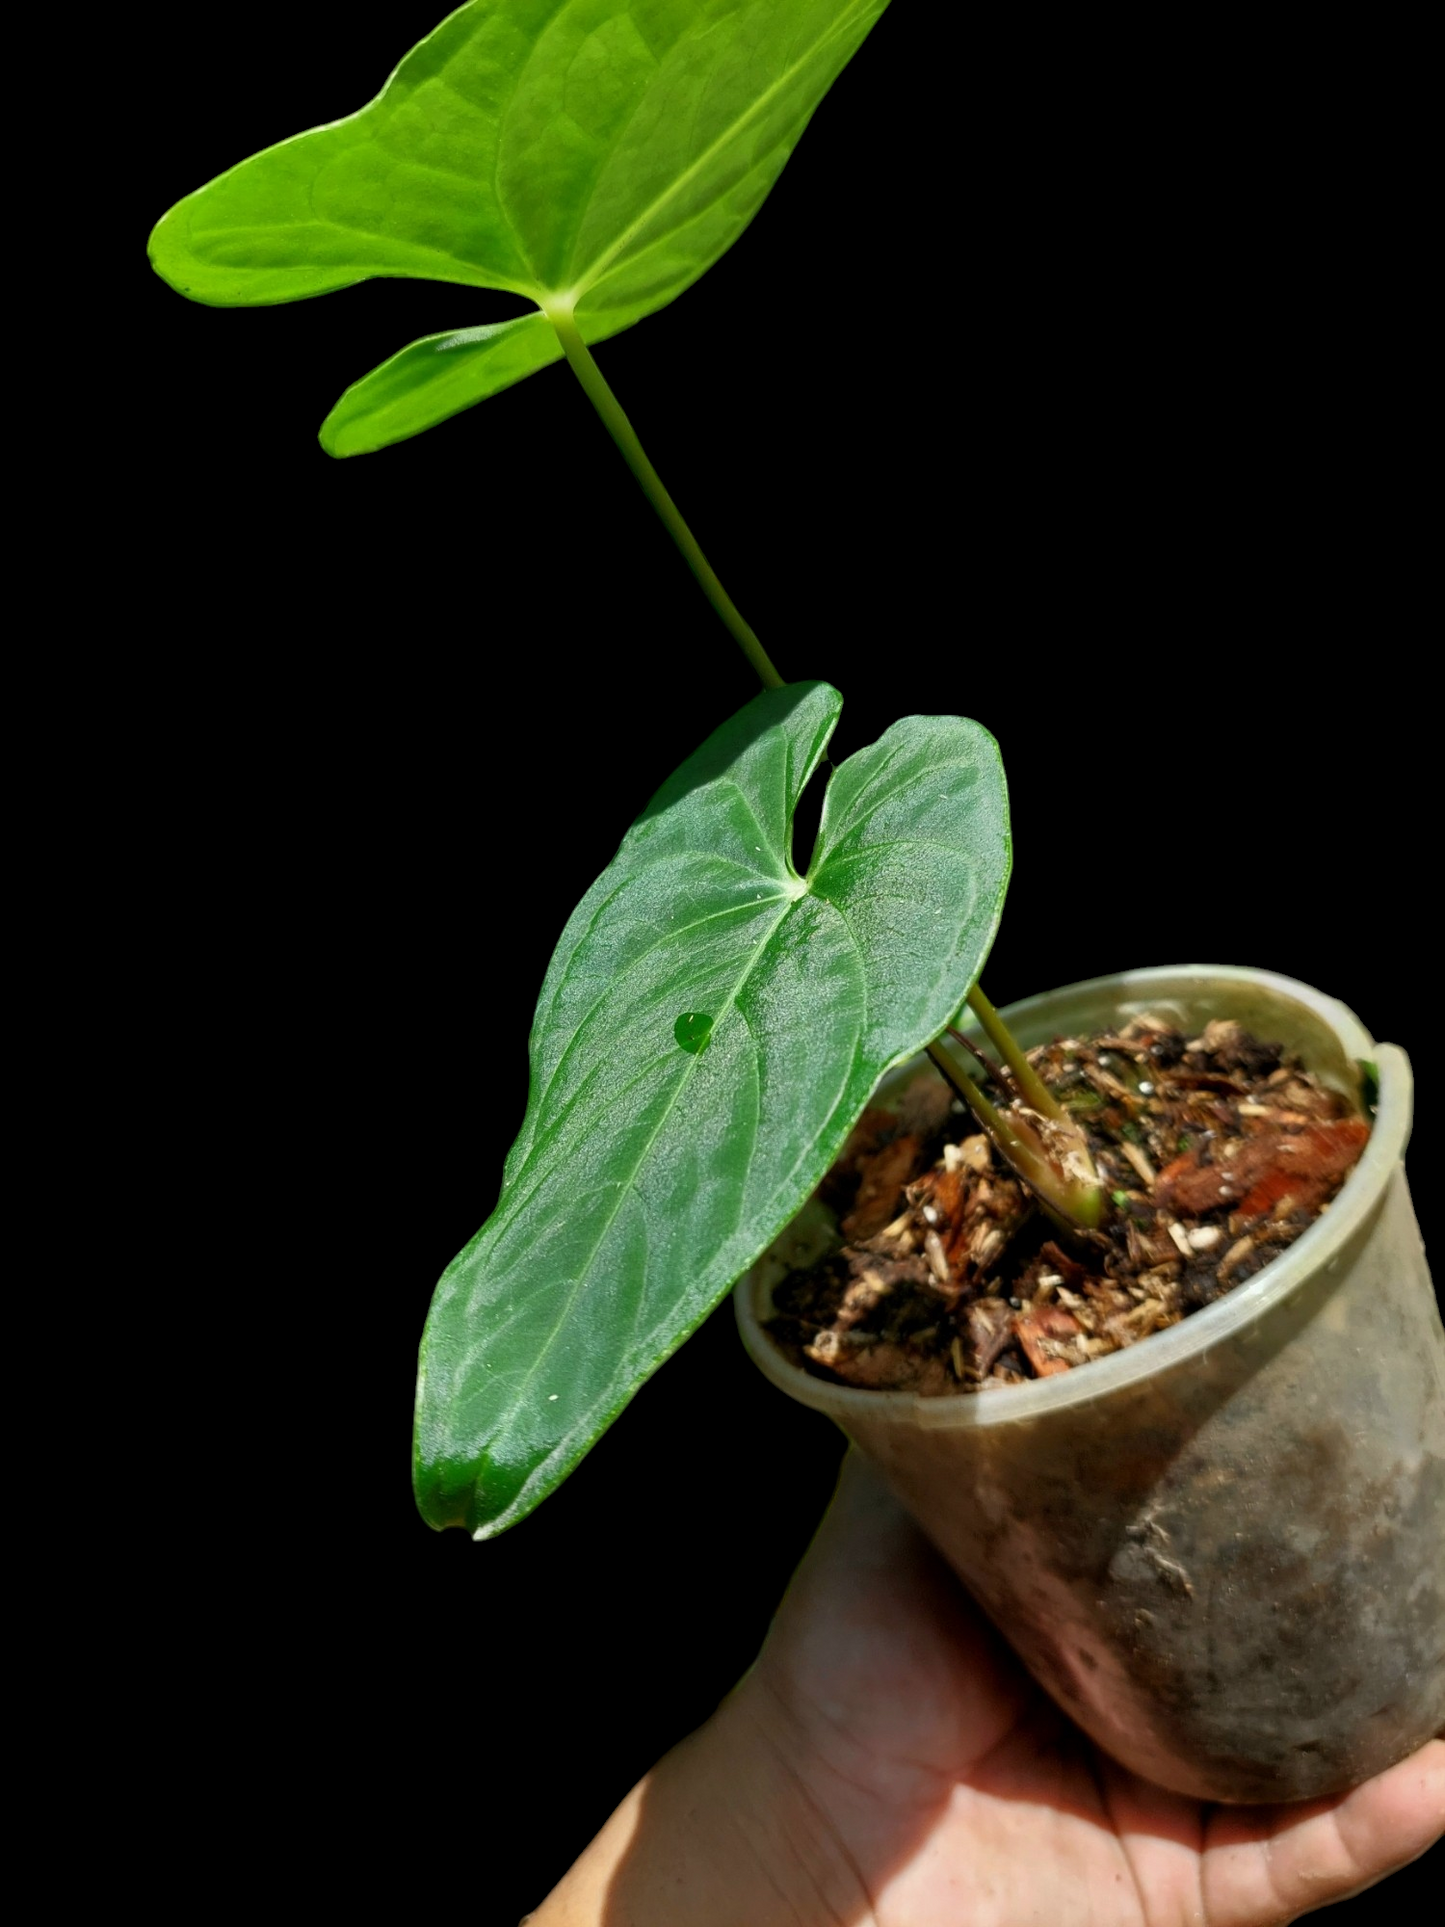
(1220, 1550)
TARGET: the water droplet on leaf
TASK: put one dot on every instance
(693, 1030)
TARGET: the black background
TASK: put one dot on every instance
(1068, 383)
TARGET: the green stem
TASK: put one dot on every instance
(1074, 1202)
(1002, 1038)
(997, 1126)
(1071, 1202)
(633, 453)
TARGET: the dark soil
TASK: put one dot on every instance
(1215, 1153)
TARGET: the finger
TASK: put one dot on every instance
(1277, 1863)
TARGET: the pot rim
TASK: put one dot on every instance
(1320, 1247)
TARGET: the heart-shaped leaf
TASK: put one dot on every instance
(594, 155)
(710, 1028)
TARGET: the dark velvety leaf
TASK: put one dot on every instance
(711, 1026)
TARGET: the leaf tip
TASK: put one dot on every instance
(334, 437)
(443, 1489)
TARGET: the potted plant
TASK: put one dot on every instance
(1271, 1458)
(839, 1013)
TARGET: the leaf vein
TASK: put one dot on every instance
(593, 273)
(608, 1218)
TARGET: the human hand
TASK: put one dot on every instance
(888, 1763)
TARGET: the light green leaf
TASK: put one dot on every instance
(434, 379)
(594, 155)
(710, 1028)
(437, 377)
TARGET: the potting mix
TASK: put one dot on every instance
(1215, 1152)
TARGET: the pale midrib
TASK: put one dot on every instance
(497, 195)
(591, 275)
(537, 1100)
(540, 1021)
(383, 235)
(623, 1189)
(378, 112)
(545, 1133)
(251, 231)
(541, 1135)
(723, 1262)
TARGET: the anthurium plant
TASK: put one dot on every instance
(720, 1005)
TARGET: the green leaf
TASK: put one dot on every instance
(594, 155)
(435, 378)
(710, 1028)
